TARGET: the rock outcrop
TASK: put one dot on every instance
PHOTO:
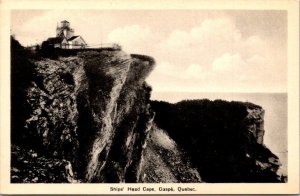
(31, 167)
(91, 109)
(224, 139)
(85, 116)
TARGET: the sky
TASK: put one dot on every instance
(195, 50)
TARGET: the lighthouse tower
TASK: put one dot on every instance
(64, 30)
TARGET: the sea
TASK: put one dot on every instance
(274, 104)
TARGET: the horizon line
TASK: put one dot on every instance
(244, 92)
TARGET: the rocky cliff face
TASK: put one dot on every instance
(90, 109)
(224, 139)
(87, 117)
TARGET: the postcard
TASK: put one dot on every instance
(149, 97)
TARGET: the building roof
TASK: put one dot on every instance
(73, 37)
(59, 40)
(55, 40)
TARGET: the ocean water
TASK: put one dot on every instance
(274, 104)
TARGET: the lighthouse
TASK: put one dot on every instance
(64, 30)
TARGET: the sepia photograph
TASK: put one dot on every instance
(151, 101)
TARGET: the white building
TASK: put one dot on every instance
(65, 38)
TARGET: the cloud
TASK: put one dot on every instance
(194, 71)
(256, 60)
(129, 34)
(36, 29)
(228, 62)
(209, 31)
(167, 68)
(133, 38)
(215, 55)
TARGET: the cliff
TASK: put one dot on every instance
(86, 116)
(224, 139)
